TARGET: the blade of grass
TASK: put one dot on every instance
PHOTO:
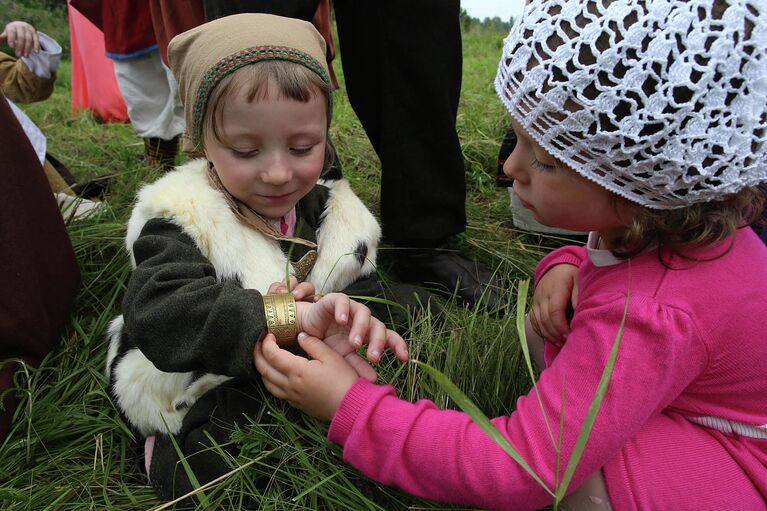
(315, 486)
(596, 403)
(521, 307)
(480, 419)
(198, 489)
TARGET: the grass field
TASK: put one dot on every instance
(70, 451)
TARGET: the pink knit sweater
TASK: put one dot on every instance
(694, 351)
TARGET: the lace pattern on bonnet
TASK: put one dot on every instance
(661, 102)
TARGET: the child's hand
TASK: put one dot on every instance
(302, 291)
(345, 325)
(314, 386)
(22, 37)
(557, 287)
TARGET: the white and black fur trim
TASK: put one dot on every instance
(154, 401)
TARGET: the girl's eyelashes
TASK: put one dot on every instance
(249, 153)
(243, 153)
(301, 150)
(541, 166)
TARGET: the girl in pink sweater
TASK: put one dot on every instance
(646, 124)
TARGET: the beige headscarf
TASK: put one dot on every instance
(201, 57)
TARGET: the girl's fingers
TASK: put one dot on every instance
(23, 42)
(534, 323)
(376, 340)
(358, 332)
(546, 322)
(274, 390)
(341, 308)
(300, 291)
(316, 348)
(303, 291)
(362, 367)
(398, 344)
(282, 287)
(574, 294)
(274, 361)
(559, 323)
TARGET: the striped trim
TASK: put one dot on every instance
(731, 427)
(235, 61)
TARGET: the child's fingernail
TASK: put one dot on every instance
(375, 354)
(344, 317)
(301, 335)
(358, 340)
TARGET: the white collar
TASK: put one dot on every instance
(600, 257)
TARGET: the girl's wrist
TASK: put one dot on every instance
(281, 316)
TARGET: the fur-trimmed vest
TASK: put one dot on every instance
(347, 237)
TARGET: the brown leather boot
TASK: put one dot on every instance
(161, 153)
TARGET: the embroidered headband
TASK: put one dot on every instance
(661, 102)
(201, 57)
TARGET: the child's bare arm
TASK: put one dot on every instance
(556, 288)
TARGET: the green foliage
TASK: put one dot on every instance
(494, 24)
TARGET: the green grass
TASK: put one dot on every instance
(69, 450)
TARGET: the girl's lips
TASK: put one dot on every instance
(525, 205)
(277, 198)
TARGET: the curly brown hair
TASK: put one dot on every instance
(683, 229)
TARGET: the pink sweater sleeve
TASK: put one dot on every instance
(443, 455)
(569, 254)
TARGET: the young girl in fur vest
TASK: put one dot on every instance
(212, 240)
(644, 122)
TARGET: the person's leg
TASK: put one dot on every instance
(590, 496)
(402, 66)
(154, 107)
(535, 344)
(204, 439)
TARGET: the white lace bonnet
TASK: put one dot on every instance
(662, 102)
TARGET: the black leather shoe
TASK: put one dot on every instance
(450, 273)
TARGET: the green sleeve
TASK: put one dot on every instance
(181, 316)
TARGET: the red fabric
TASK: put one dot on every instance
(94, 86)
(322, 23)
(171, 17)
(91, 9)
(126, 24)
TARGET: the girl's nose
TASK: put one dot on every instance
(277, 171)
(513, 167)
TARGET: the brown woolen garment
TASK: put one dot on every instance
(38, 270)
(172, 17)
